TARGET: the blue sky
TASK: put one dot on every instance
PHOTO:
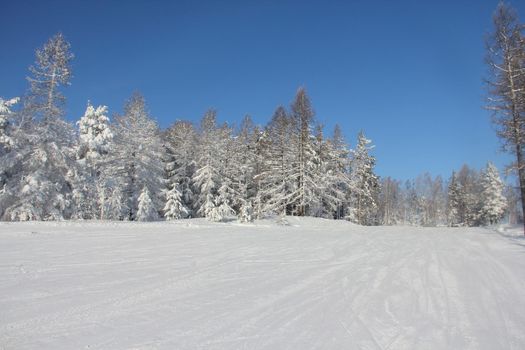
(408, 73)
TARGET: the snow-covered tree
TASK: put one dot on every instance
(95, 136)
(455, 202)
(246, 212)
(391, 202)
(506, 60)
(94, 144)
(364, 184)
(6, 138)
(136, 161)
(241, 153)
(146, 210)
(493, 202)
(276, 178)
(207, 178)
(303, 164)
(340, 163)
(330, 176)
(180, 144)
(223, 203)
(51, 71)
(115, 204)
(174, 209)
(39, 187)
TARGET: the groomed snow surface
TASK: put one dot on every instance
(313, 284)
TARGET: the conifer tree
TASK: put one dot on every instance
(146, 210)
(207, 178)
(137, 157)
(364, 184)
(301, 123)
(174, 209)
(493, 202)
(246, 212)
(276, 178)
(6, 137)
(95, 135)
(39, 186)
(180, 143)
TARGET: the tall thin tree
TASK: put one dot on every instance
(506, 60)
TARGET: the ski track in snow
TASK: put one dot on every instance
(315, 284)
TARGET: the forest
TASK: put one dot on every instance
(127, 168)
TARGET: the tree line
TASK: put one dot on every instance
(130, 169)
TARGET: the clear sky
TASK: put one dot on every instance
(408, 73)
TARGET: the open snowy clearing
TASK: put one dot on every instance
(314, 284)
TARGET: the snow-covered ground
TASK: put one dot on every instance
(314, 284)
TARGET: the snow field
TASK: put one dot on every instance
(315, 284)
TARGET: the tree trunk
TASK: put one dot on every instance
(521, 175)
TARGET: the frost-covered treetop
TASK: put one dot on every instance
(51, 70)
(95, 134)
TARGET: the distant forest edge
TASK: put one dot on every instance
(129, 169)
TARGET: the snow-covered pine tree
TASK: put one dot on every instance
(364, 184)
(303, 162)
(242, 163)
(246, 212)
(223, 202)
(115, 203)
(470, 186)
(330, 178)
(180, 142)
(454, 201)
(493, 203)
(94, 143)
(146, 210)
(39, 186)
(6, 138)
(276, 177)
(95, 135)
(340, 163)
(136, 161)
(207, 178)
(174, 209)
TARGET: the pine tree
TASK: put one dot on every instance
(470, 191)
(301, 122)
(242, 155)
(52, 70)
(94, 144)
(174, 209)
(137, 158)
(146, 209)
(207, 177)
(364, 184)
(246, 212)
(454, 203)
(116, 206)
(6, 138)
(340, 163)
(95, 135)
(39, 186)
(493, 201)
(180, 143)
(223, 203)
(276, 177)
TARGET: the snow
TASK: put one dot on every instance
(311, 284)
